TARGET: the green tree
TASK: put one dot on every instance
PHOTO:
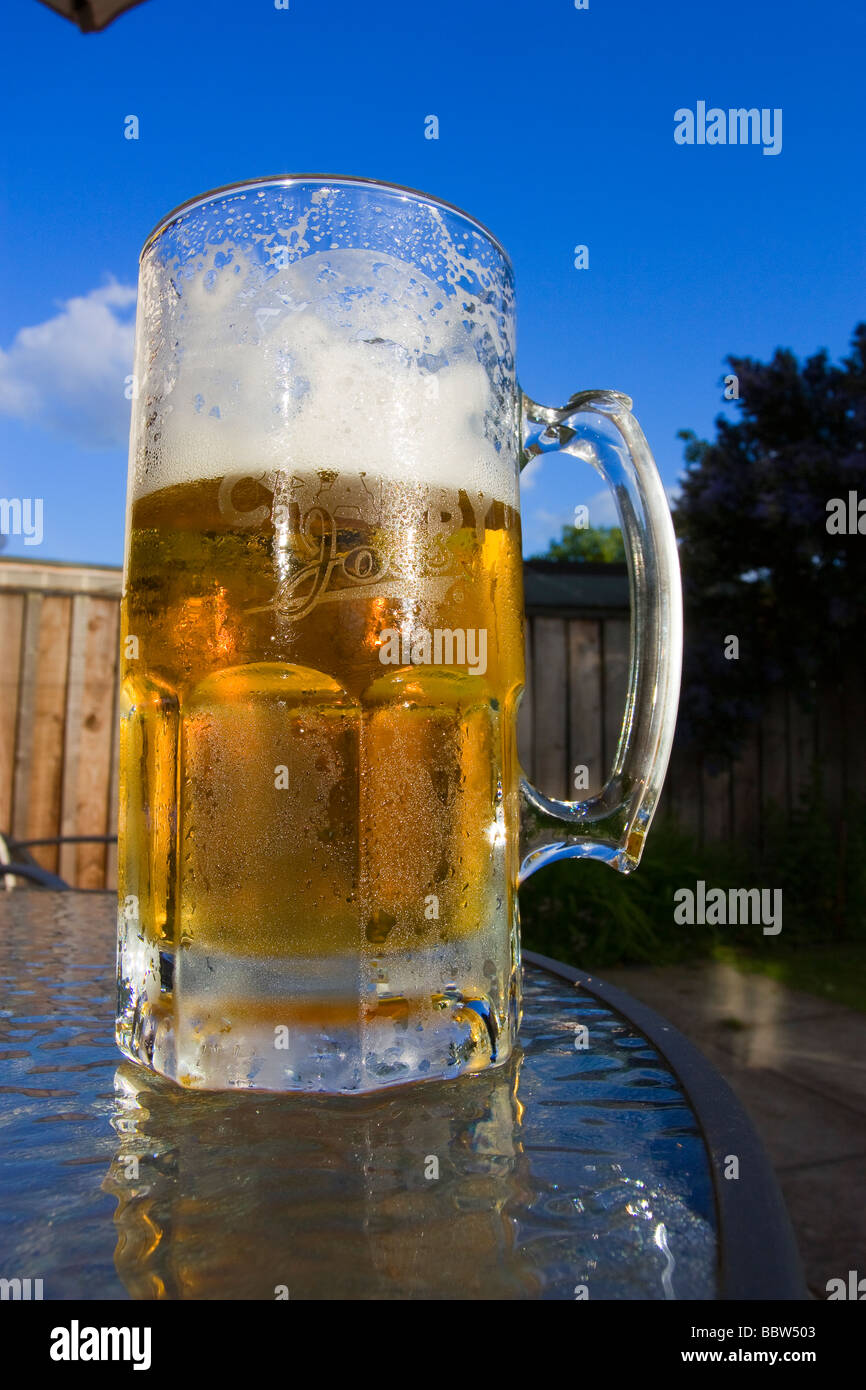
(758, 558)
(597, 544)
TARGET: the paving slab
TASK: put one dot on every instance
(712, 992)
(797, 1063)
(827, 1205)
(827, 1055)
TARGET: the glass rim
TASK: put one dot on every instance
(286, 180)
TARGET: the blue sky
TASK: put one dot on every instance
(556, 128)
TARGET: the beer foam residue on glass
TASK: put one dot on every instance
(260, 352)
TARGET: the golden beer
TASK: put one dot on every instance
(313, 807)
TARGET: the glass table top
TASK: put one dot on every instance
(571, 1172)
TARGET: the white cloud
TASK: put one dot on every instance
(601, 505)
(530, 474)
(67, 374)
(547, 518)
(602, 508)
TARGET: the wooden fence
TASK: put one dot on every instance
(577, 672)
(59, 643)
(58, 713)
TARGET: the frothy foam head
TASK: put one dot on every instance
(349, 360)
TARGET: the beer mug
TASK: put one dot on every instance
(323, 824)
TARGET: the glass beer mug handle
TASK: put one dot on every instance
(598, 428)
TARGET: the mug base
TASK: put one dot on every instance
(305, 1025)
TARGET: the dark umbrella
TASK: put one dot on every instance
(90, 15)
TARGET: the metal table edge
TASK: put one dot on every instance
(758, 1255)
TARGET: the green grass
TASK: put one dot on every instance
(836, 972)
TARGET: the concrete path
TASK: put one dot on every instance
(798, 1065)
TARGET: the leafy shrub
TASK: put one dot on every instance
(587, 915)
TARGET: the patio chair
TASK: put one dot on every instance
(19, 869)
